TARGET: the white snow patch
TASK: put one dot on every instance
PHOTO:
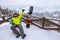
(33, 33)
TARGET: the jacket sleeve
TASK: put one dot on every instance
(10, 20)
(21, 15)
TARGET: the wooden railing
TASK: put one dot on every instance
(43, 23)
(48, 21)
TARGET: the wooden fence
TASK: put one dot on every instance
(43, 20)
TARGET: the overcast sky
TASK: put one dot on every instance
(40, 3)
(36, 3)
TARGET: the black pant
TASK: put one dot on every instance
(13, 27)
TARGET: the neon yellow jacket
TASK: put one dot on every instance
(17, 20)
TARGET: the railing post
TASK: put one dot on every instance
(3, 17)
(43, 22)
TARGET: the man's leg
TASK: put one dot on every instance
(13, 27)
(21, 31)
(27, 25)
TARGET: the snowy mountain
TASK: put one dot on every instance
(33, 33)
(51, 14)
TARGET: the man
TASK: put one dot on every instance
(29, 17)
(16, 23)
(28, 22)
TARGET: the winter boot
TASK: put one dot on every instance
(24, 36)
(18, 36)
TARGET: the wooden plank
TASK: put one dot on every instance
(37, 19)
(36, 25)
(53, 19)
(51, 28)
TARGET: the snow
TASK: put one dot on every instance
(0, 18)
(56, 15)
(33, 33)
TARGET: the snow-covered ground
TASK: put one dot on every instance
(33, 33)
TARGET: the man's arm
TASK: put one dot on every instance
(21, 15)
